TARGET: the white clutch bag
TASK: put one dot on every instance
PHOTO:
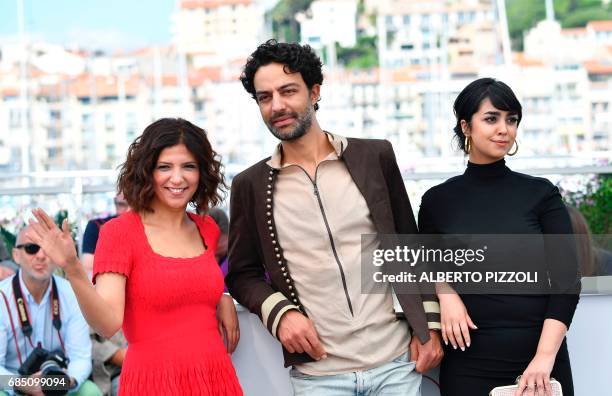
(510, 389)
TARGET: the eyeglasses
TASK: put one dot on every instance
(30, 248)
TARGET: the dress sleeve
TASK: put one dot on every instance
(114, 250)
(554, 219)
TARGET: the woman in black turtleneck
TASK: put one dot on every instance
(516, 334)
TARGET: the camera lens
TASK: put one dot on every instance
(51, 368)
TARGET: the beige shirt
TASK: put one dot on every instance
(321, 240)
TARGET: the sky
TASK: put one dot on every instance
(94, 24)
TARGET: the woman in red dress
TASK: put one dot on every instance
(155, 270)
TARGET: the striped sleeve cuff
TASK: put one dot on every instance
(273, 309)
(432, 313)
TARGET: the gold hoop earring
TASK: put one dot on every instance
(467, 145)
(515, 150)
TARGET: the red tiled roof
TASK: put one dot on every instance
(574, 31)
(197, 77)
(596, 67)
(85, 85)
(9, 91)
(600, 25)
(520, 59)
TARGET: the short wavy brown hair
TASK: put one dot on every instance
(135, 179)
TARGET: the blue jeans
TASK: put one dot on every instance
(396, 378)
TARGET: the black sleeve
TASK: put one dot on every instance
(90, 237)
(561, 258)
(426, 215)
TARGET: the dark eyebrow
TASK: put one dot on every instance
(495, 113)
(170, 163)
(280, 88)
(288, 85)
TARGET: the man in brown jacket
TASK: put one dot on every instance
(299, 216)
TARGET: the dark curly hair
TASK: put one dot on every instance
(135, 179)
(469, 100)
(296, 58)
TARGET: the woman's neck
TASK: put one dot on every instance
(169, 217)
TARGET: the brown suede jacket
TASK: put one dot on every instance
(254, 248)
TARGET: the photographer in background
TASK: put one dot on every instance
(57, 338)
(7, 267)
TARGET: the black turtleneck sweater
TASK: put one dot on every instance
(492, 199)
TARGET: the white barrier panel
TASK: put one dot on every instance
(259, 360)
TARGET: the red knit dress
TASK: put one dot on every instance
(170, 323)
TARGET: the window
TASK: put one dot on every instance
(14, 118)
(425, 20)
(53, 133)
(53, 153)
(110, 150)
(108, 121)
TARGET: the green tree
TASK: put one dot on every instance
(595, 204)
(284, 25)
(363, 55)
(581, 17)
(525, 14)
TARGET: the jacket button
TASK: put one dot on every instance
(270, 178)
(283, 269)
(292, 294)
(288, 280)
(290, 287)
(285, 274)
(278, 256)
(280, 262)
(276, 249)
(274, 241)
(271, 172)
(269, 192)
(271, 228)
(295, 300)
(269, 206)
(271, 235)
(269, 221)
(269, 186)
(268, 199)
(268, 214)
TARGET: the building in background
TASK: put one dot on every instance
(81, 110)
(211, 32)
(327, 22)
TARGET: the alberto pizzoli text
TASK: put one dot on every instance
(458, 277)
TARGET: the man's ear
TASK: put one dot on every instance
(315, 93)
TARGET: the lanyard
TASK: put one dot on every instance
(24, 317)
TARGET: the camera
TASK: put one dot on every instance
(48, 363)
